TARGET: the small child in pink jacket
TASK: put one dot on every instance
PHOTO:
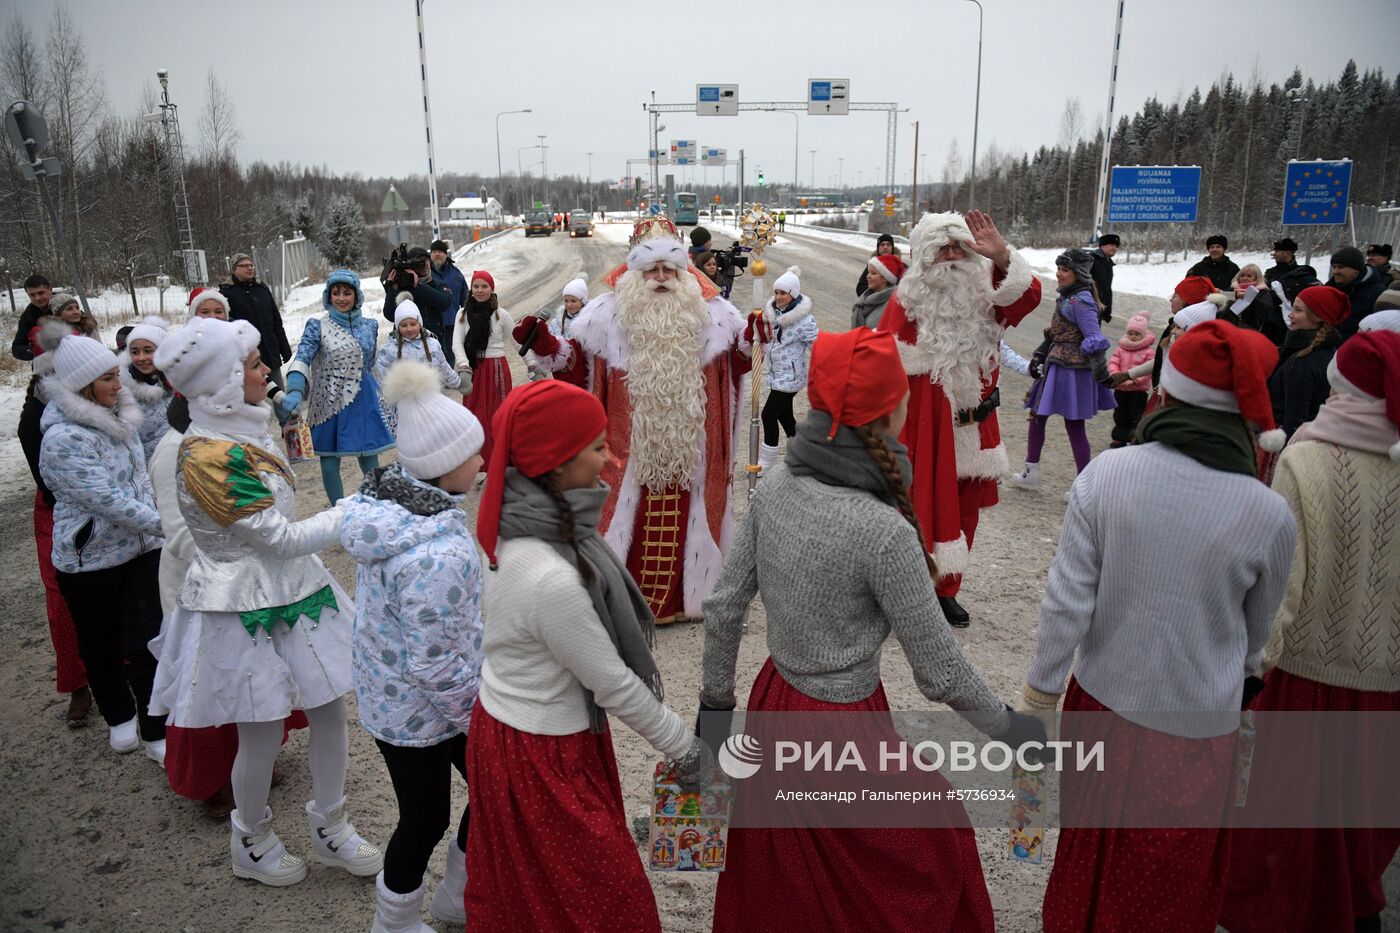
(1134, 347)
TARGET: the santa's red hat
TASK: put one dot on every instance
(1326, 303)
(541, 426)
(1222, 367)
(1194, 289)
(891, 267)
(1368, 366)
(856, 377)
(202, 294)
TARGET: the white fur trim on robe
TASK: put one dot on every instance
(1013, 286)
(974, 460)
(598, 333)
(950, 558)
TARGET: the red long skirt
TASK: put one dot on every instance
(71, 673)
(490, 385)
(924, 880)
(1139, 880)
(198, 762)
(1309, 879)
(548, 847)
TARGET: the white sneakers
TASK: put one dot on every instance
(398, 913)
(1029, 478)
(336, 843)
(767, 456)
(258, 854)
(124, 738)
(448, 900)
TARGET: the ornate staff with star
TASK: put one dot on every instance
(757, 233)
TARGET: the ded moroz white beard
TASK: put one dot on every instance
(958, 330)
(665, 380)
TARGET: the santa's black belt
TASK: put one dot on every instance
(966, 416)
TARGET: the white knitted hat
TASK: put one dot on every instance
(204, 360)
(1387, 319)
(435, 435)
(406, 309)
(201, 295)
(578, 288)
(79, 360)
(1192, 315)
(151, 328)
(789, 282)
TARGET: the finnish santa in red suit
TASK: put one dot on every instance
(667, 357)
(964, 287)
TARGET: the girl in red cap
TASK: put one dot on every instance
(479, 341)
(1299, 385)
(569, 641)
(1333, 648)
(830, 608)
(1160, 659)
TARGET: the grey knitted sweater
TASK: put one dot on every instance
(838, 570)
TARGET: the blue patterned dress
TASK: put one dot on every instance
(343, 400)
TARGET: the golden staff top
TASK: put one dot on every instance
(758, 232)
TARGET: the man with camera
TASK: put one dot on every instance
(730, 262)
(445, 272)
(410, 270)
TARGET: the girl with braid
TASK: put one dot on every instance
(861, 574)
(1299, 387)
(568, 643)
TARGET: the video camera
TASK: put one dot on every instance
(732, 260)
(402, 271)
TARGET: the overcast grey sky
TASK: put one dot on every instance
(336, 83)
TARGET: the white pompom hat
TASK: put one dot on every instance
(204, 360)
(435, 434)
(79, 360)
(789, 281)
(151, 328)
(406, 309)
(578, 288)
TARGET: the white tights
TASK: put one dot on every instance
(258, 743)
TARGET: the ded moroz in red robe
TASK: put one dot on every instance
(673, 540)
(955, 467)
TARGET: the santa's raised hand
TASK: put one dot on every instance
(987, 239)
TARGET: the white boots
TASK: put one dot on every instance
(448, 900)
(156, 751)
(767, 456)
(336, 843)
(124, 738)
(399, 913)
(1029, 478)
(258, 854)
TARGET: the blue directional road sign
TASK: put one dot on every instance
(655, 210)
(1316, 192)
(1154, 194)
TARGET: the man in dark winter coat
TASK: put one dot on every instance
(1101, 271)
(40, 291)
(445, 272)
(1378, 257)
(1286, 271)
(250, 300)
(1216, 266)
(1361, 284)
(433, 299)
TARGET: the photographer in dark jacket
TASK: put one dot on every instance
(433, 299)
(250, 300)
(1101, 271)
(1286, 271)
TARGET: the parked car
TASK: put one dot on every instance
(539, 222)
(580, 223)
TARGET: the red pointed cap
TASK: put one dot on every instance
(856, 377)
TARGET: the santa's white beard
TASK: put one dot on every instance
(665, 382)
(958, 330)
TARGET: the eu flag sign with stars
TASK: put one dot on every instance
(1316, 192)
